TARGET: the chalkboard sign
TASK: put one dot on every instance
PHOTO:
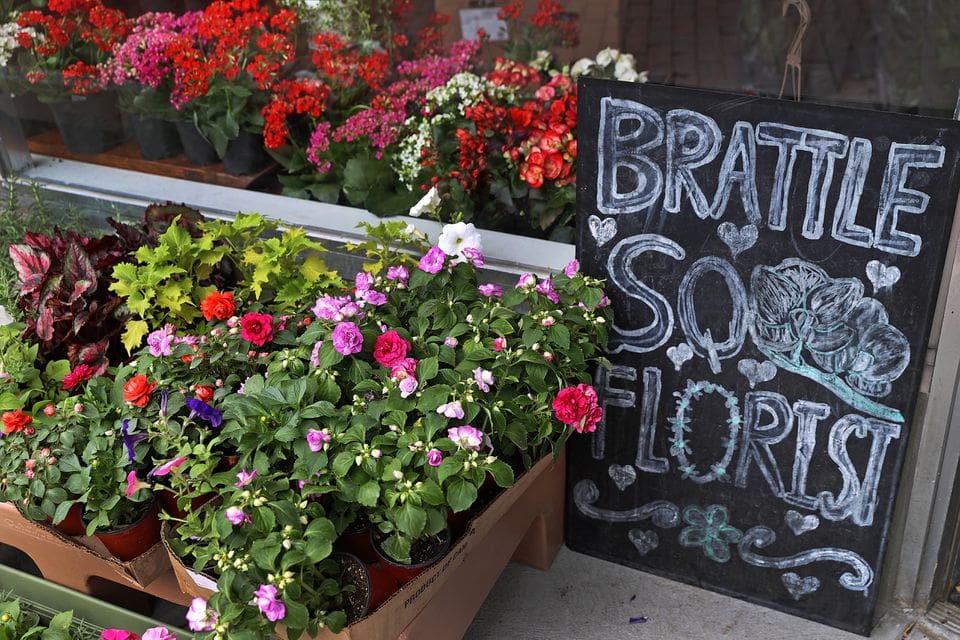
(774, 268)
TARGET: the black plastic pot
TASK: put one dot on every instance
(245, 154)
(89, 124)
(198, 150)
(158, 139)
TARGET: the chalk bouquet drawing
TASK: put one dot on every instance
(824, 329)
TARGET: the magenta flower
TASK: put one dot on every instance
(404, 368)
(167, 467)
(200, 617)
(526, 281)
(451, 410)
(546, 288)
(572, 268)
(491, 290)
(347, 338)
(244, 478)
(399, 274)
(473, 256)
(432, 262)
(466, 437)
(134, 484)
(327, 307)
(451, 342)
(236, 516)
(483, 378)
(315, 354)
(374, 297)
(118, 634)
(363, 281)
(499, 344)
(434, 457)
(317, 439)
(158, 633)
(270, 605)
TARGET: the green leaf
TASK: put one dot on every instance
(431, 493)
(411, 519)
(264, 552)
(461, 495)
(449, 467)
(369, 493)
(342, 463)
(501, 472)
(297, 616)
(433, 397)
(427, 370)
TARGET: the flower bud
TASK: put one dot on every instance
(397, 474)
(78, 408)
(50, 410)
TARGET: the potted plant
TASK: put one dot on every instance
(73, 40)
(143, 74)
(222, 79)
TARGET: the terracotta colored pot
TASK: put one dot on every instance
(404, 573)
(357, 542)
(130, 541)
(168, 500)
(72, 525)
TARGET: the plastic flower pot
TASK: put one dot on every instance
(130, 541)
(245, 154)
(356, 540)
(169, 503)
(199, 151)
(158, 139)
(89, 124)
(72, 525)
(423, 554)
(374, 585)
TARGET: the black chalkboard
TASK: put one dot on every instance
(774, 268)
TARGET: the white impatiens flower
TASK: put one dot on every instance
(459, 236)
(5, 317)
(580, 67)
(607, 56)
(625, 63)
(429, 203)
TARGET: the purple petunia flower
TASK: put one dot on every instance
(167, 467)
(201, 409)
(432, 262)
(129, 441)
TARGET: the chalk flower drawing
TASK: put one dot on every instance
(709, 529)
(824, 329)
(680, 447)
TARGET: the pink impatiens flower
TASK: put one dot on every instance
(270, 605)
(399, 274)
(407, 386)
(347, 338)
(200, 617)
(499, 344)
(466, 437)
(434, 457)
(244, 478)
(483, 378)
(432, 262)
(526, 281)
(236, 516)
(546, 288)
(317, 439)
(118, 634)
(571, 269)
(159, 633)
(451, 410)
(491, 290)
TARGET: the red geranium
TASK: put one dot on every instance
(15, 421)
(256, 328)
(390, 349)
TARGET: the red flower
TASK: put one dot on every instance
(256, 328)
(15, 421)
(204, 393)
(218, 305)
(80, 373)
(578, 407)
(137, 390)
(390, 349)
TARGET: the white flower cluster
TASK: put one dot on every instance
(542, 60)
(461, 91)
(609, 63)
(8, 40)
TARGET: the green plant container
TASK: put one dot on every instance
(90, 616)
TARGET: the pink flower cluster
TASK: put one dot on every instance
(143, 55)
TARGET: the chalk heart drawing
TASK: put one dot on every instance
(800, 523)
(602, 231)
(881, 275)
(679, 354)
(738, 239)
(644, 541)
(623, 475)
(757, 372)
(799, 587)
